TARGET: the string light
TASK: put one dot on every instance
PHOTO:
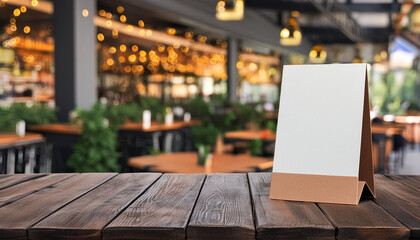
(171, 31)
(100, 37)
(123, 48)
(123, 18)
(16, 12)
(110, 62)
(102, 13)
(134, 48)
(141, 23)
(26, 29)
(23, 9)
(85, 13)
(112, 50)
(34, 3)
(120, 9)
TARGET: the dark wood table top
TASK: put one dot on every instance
(186, 162)
(195, 206)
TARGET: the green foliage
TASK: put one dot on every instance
(271, 125)
(199, 109)
(246, 113)
(390, 95)
(153, 105)
(255, 147)
(95, 150)
(130, 111)
(205, 134)
(32, 115)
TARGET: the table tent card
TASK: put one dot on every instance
(323, 149)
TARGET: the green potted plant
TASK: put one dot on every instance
(204, 137)
(96, 150)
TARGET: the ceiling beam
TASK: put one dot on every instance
(201, 15)
(341, 17)
(302, 6)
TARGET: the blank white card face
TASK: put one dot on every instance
(320, 119)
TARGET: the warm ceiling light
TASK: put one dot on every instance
(318, 54)
(114, 33)
(171, 31)
(85, 13)
(230, 10)
(110, 62)
(23, 9)
(123, 48)
(26, 29)
(34, 3)
(123, 18)
(100, 37)
(290, 35)
(102, 13)
(112, 50)
(120, 9)
(16, 12)
(134, 48)
(141, 23)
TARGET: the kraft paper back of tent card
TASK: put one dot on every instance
(323, 149)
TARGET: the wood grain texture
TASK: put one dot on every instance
(13, 179)
(19, 191)
(410, 181)
(400, 201)
(162, 212)
(277, 219)
(364, 221)
(223, 209)
(94, 210)
(27, 211)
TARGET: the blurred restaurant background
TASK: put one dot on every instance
(191, 86)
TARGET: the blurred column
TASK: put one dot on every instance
(75, 55)
(232, 71)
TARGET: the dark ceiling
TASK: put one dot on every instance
(332, 33)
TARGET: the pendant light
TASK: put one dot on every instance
(290, 35)
(318, 54)
(230, 10)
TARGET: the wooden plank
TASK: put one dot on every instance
(27, 211)
(276, 219)
(19, 191)
(408, 180)
(223, 209)
(10, 180)
(160, 213)
(85, 217)
(400, 201)
(364, 221)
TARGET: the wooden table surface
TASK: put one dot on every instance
(65, 128)
(249, 135)
(11, 139)
(186, 162)
(195, 206)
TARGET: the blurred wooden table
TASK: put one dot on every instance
(8, 140)
(186, 162)
(383, 133)
(195, 206)
(10, 143)
(412, 131)
(250, 135)
(133, 138)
